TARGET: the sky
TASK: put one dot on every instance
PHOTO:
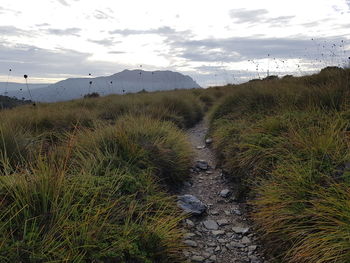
(214, 42)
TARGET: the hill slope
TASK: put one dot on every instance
(127, 81)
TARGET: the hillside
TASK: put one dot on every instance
(93, 179)
(127, 81)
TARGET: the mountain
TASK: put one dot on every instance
(127, 81)
(9, 87)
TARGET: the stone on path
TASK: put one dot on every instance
(211, 224)
(191, 204)
(201, 164)
(222, 222)
(209, 141)
(245, 240)
(190, 243)
(218, 232)
(197, 259)
(240, 230)
(225, 193)
(189, 223)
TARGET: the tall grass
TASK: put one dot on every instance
(87, 180)
(286, 143)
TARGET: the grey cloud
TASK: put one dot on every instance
(311, 24)
(14, 31)
(243, 15)
(116, 52)
(42, 25)
(243, 48)
(38, 62)
(63, 2)
(127, 32)
(107, 42)
(4, 10)
(63, 32)
(258, 16)
(278, 21)
(101, 15)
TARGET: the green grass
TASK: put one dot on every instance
(286, 143)
(88, 180)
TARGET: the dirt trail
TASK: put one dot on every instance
(222, 234)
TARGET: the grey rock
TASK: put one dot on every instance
(222, 222)
(211, 225)
(191, 243)
(233, 245)
(245, 240)
(237, 212)
(188, 184)
(240, 230)
(209, 250)
(189, 223)
(252, 248)
(215, 213)
(213, 258)
(191, 204)
(197, 259)
(208, 140)
(201, 164)
(217, 249)
(200, 147)
(225, 193)
(189, 235)
(218, 232)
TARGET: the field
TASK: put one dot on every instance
(91, 180)
(87, 180)
(285, 143)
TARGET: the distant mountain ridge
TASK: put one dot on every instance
(127, 81)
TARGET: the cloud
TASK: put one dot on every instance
(15, 31)
(165, 30)
(258, 16)
(39, 62)
(243, 15)
(42, 25)
(98, 14)
(73, 31)
(116, 52)
(107, 42)
(63, 2)
(4, 10)
(237, 49)
(311, 24)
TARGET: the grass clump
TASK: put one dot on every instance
(88, 180)
(286, 142)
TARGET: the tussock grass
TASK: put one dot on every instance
(286, 142)
(87, 180)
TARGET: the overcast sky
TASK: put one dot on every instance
(214, 42)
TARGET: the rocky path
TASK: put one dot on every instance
(220, 234)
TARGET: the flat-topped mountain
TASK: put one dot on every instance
(127, 81)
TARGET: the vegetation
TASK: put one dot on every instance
(87, 180)
(8, 102)
(286, 143)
